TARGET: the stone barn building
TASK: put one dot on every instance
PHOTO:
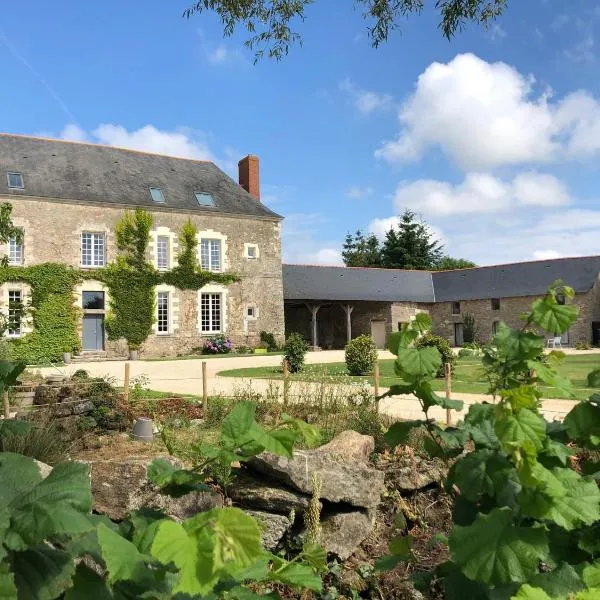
(330, 305)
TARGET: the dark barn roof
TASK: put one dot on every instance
(517, 279)
(301, 282)
(82, 172)
(304, 282)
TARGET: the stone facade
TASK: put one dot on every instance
(52, 233)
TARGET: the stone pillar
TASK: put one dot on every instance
(314, 309)
(347, 308)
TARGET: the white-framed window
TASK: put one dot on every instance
(93, 249)
(162, 252)
(210, 254)
(251, 251)
(15, 251)
(15, 181)
(15, 312)
(210, 312)
(162, 320)
(251, 312)
(157, 195)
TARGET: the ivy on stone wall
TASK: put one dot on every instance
(53, 313)
(131, 280)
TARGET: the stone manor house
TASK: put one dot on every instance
(67, 198)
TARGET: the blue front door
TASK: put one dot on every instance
(93, 332)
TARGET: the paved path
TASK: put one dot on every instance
(185, 377)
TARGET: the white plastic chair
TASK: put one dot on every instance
(554, 342)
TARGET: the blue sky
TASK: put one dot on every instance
(493, 138)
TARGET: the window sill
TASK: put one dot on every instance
(92, 266)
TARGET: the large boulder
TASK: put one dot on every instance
(266, 495)
(272, 527)
(342, 533)
(348, 482)
(120, 486)
(350, 445)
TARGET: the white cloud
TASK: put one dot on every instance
(546, 254)
(182, 142)
(325, 256)
(481, 193)
(299, 243)
(364, 101)
(219, 54)
(496, 32)
(486, 115)
(583, 50)
(356, 192)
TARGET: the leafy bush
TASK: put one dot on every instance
(443, 346)
(361, 355)
(367, 420)
(593, 379)
(242, 349)
(393, 341)
(582, 346)
(215, 411)
(217, 344)
(268, 339)
(295, 349)
(80, 374)
(470, 352)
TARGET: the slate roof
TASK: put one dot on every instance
(302, 282)
(92, 173)
(517, 279)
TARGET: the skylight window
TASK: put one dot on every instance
(15, 180)
(157, 195)
(204, 199)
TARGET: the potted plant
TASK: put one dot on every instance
(261, 349)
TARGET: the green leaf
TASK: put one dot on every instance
(399, 432)
(591, 575)
(297, 575)
(279, 441)
(524, 396)
(8, 590)
(88, 585)
(18, 474)
(413, 363)
(592, 594)
(517, 345)
(560, 583)
(583, 421)
(550, 377)
(557, 450)
(243, 593)
(122, 558)
(471, 477)
(58, 505)
(315, 556)
(526, 592)
(191, 554)
(309, 433)
(42, 573)
(9, 373)
(14, 427)
(238, 422)
(553, 317)
(400, 549)
(175, 482)
(524, 425)
(493, 550)
(145, 524)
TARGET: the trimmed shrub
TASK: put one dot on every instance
(469, 328)
(268, 339)
(582, 346)
(443, 347)
(393, 341)
(295, 349)
(217, 344)
(593, 379)
(361, 355)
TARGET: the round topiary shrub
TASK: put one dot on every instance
(361, 355)
(443, 346)
(593, 378)
(295, 349)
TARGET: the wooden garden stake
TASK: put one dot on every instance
(286, 382)
(6, 405)
(126, 383)
(448, 373)
(376, 381)
(204, 386)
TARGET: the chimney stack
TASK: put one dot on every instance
(249, 175)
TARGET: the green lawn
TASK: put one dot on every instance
(468, 377)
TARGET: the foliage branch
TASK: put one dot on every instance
(526, 523)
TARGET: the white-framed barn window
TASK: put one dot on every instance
(211, 317)
(163, 243)
(15, 312)
(93, 249)
(162, 320)
(15, 251)
(210, 255)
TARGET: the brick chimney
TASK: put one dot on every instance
(249, 175)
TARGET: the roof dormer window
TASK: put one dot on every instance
(157, 195)
(15, 181)
(204, 199)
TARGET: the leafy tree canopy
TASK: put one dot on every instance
(361, 251)
(448, 263)
(269, 22)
